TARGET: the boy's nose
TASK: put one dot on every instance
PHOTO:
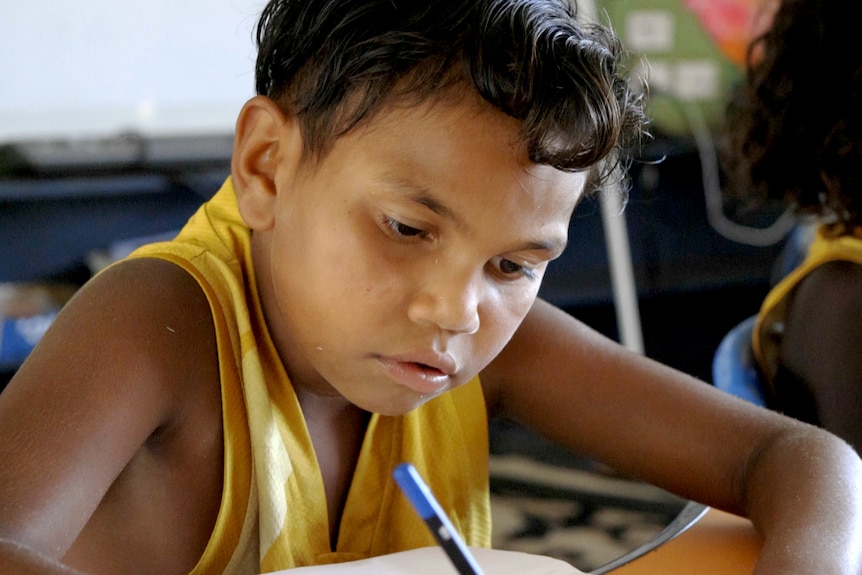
(450, 304)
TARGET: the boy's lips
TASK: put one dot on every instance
(424, 373)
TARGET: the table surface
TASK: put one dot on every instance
(718, 544)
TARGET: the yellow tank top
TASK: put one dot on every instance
(766, 337)
(273, 512)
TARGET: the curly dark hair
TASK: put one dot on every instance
(796, 125)
(334, 63)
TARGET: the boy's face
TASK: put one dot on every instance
(402, 263)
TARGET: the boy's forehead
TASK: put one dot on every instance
(417, 129)
(442, 141)
(453, 111)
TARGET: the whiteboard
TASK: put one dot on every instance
(99, 68)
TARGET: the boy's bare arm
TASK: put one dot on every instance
(801, 487)
(98, 386)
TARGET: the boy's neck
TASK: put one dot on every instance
(337, 430)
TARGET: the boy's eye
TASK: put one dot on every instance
(402, 230)
(509, 267)
(512, 270)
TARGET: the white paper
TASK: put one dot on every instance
(434, 561)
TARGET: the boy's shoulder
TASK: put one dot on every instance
(147, 309)
(126, 387)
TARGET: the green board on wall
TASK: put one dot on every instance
(689, 74)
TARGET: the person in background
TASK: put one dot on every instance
(361, 292)
(795, 132)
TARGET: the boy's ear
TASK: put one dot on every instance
(266, 143)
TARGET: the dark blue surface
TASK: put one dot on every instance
(50, 225)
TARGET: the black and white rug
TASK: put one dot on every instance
(549, 503)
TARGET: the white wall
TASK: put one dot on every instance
(89, 68)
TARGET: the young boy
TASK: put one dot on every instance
(362, 292)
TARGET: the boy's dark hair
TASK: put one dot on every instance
(333, 63)
(796, 125)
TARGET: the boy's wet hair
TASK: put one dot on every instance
(334, 63)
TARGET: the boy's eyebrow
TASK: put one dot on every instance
(435, 206)
(554, 246)
(422, 196)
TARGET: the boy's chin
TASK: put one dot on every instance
(399, 406)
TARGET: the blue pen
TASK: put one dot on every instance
(426, 505)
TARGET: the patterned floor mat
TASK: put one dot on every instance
(579, 513)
